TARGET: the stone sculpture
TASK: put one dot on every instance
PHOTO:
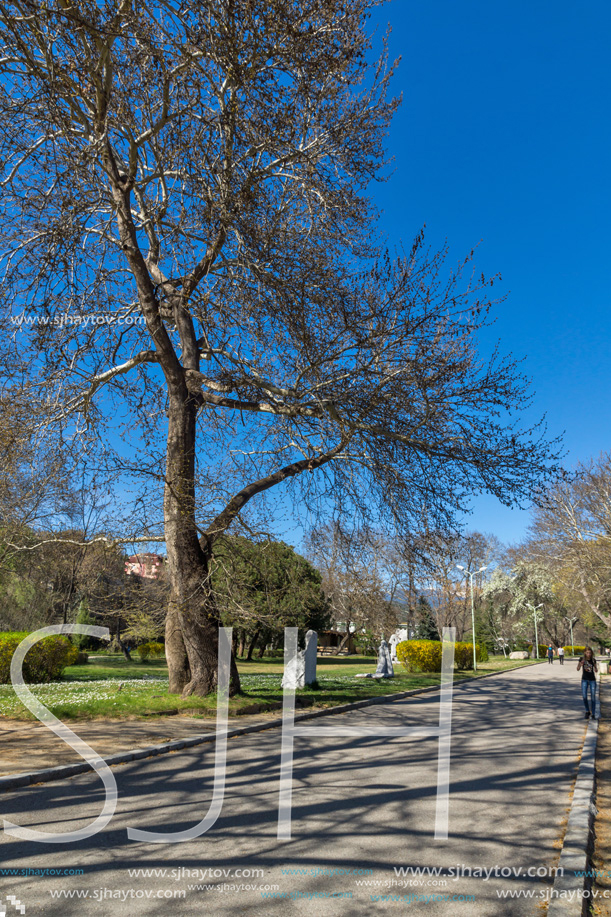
(310, 653)
(384, 669)
(301, 670)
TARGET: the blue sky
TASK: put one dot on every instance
(504, 139)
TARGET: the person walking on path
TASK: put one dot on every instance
(550, 654)
(561, 654)
(588, 680)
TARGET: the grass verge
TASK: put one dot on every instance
(110, 687)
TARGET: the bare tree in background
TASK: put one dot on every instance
(571, 536)
(35, 485)
(184, 217)
(355, 578)
(446, 587)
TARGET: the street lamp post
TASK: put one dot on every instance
(471, 575)
(570, 620)
(534, 609)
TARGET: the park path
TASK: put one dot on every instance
(26, 746)
(363, 808)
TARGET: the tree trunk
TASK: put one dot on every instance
(176, 654)
(266, 636)
(242, 645)
(192, 633)
(122, 646)
(252, 645)
(343, 641)
(125, 650)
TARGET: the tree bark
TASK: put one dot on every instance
(193, 618)
(343, 641)
(122, 646)
(176, 654)
(252, 645)
(595, 607)
(125, 650)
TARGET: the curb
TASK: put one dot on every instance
(15, 781)
(578, 840)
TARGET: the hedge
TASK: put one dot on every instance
(542, 649)
(579, 650)
(425, 655)
(45, 661)
(146, 650)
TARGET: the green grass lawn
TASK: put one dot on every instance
(109, 686)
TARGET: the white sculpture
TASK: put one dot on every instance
(398, 637)
(384, 669)
(301, 669)
(311, 649)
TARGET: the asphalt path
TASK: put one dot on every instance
(363, 811)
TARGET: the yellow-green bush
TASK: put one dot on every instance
(463, 655)
(425, 655)
(44, 661)
(146, 650)
(579, 650)
(420, 655)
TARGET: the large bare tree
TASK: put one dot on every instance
(188, 251)
(571, 536)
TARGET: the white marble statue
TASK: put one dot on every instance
(301, 670)
(398, 637)
(384, 669)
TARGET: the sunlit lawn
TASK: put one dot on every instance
(109, 686)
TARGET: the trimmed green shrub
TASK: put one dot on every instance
(146, 650)
(44, 662)
(81, 659)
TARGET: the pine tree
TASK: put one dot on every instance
(84, 617)
(426, 629)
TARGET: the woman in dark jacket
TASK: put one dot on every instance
(588, 680)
